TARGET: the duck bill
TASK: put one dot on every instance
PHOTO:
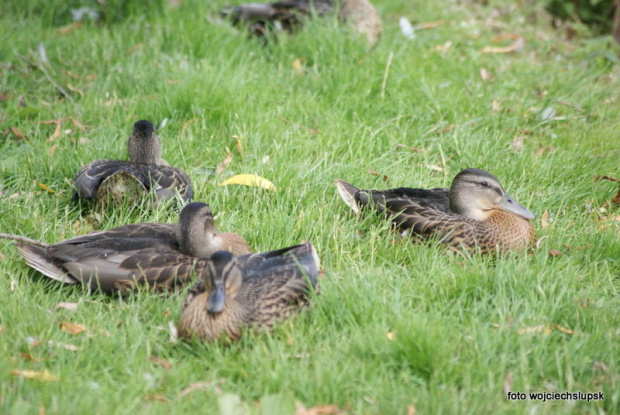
(508, 204)
(217, 298)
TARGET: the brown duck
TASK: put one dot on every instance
(475, 213)
(253, 290)
(111, 181)
(289, 15)
(160, 256)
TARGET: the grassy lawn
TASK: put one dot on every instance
(398, 328)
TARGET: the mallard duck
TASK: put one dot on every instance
(289, 15)
(249, 290)
(111, 181)
(161, 256)
(476, 213)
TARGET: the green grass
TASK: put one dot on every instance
(462, 327)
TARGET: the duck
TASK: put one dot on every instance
(475, 214)
(255, 290)
(112, 181)
(160, 256)
(288, 15)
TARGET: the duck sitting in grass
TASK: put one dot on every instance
(113, 181)
(289, 15)
(160, 256)
(254, 290)
(474, 214)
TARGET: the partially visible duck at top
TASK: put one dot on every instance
(474, 214)
(289, 15)
(114, 181)
(160, 256)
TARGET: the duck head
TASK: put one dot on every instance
(476, 193)
(196, 230)
(144, 146)
(222, 279)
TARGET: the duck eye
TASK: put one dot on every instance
(484, 184)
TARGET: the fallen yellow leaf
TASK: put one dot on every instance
(44, 187)
(72, 328)
(43, 376)
(250, 180)
(544, 220)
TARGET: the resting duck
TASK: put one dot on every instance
(111, 181)
(475, 213)
(161, 256)
(289, 15)
(251, 290)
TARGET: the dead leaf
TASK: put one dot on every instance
(17, 133)
(66, 346)
(194, 387)
(515, 46)
(390, 336)
(495, 105)
(2, 329)
(504, 36)
(43, 376)
(52, 150)
(384, 177)
(224, 163)
(65, 30)
(555, 253)
(541, 328)
(429, 25)
(250, 180)
(485, 75)
(28, 356)
(542, 150)
(158, 397)
(563, 329)
(517, 143)
(73, 328)
(412, 149)
(298, 66)
(239, 144)
(444, 48)
(75, 89)
(67, 306)
(44, 187)
(544, 219)
(317, 410)
(411, 409)
(599, 177)
(57, 132)
(434, 167)
(616, 199)
(162, 362)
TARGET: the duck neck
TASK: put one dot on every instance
(144, 150)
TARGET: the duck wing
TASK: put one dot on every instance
(118, 177)
(121, 270)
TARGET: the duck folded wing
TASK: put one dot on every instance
(110, 270)
(433, 199)
(149, 234)
(299, 258)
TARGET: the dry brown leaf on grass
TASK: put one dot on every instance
(542, 150)
(555, 253)
(239, 144)
(434, 167)
(545, 329)
(28, 356)
(52, 150)
(412, 149)
(298, 66)
(544, 219)
(198, 386)
(75, 89)
(43, 376)
(73, 328)
(67, 306)
(17, 133)
(485, 75)
(411, 409)
(66, 346)
(157, 397)
(384, 177)
(65, 30)
(517, 143)
(429, 25)
(496, 106)
(317, 410)
(224, 163)
(161, 361)
(516, 46)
